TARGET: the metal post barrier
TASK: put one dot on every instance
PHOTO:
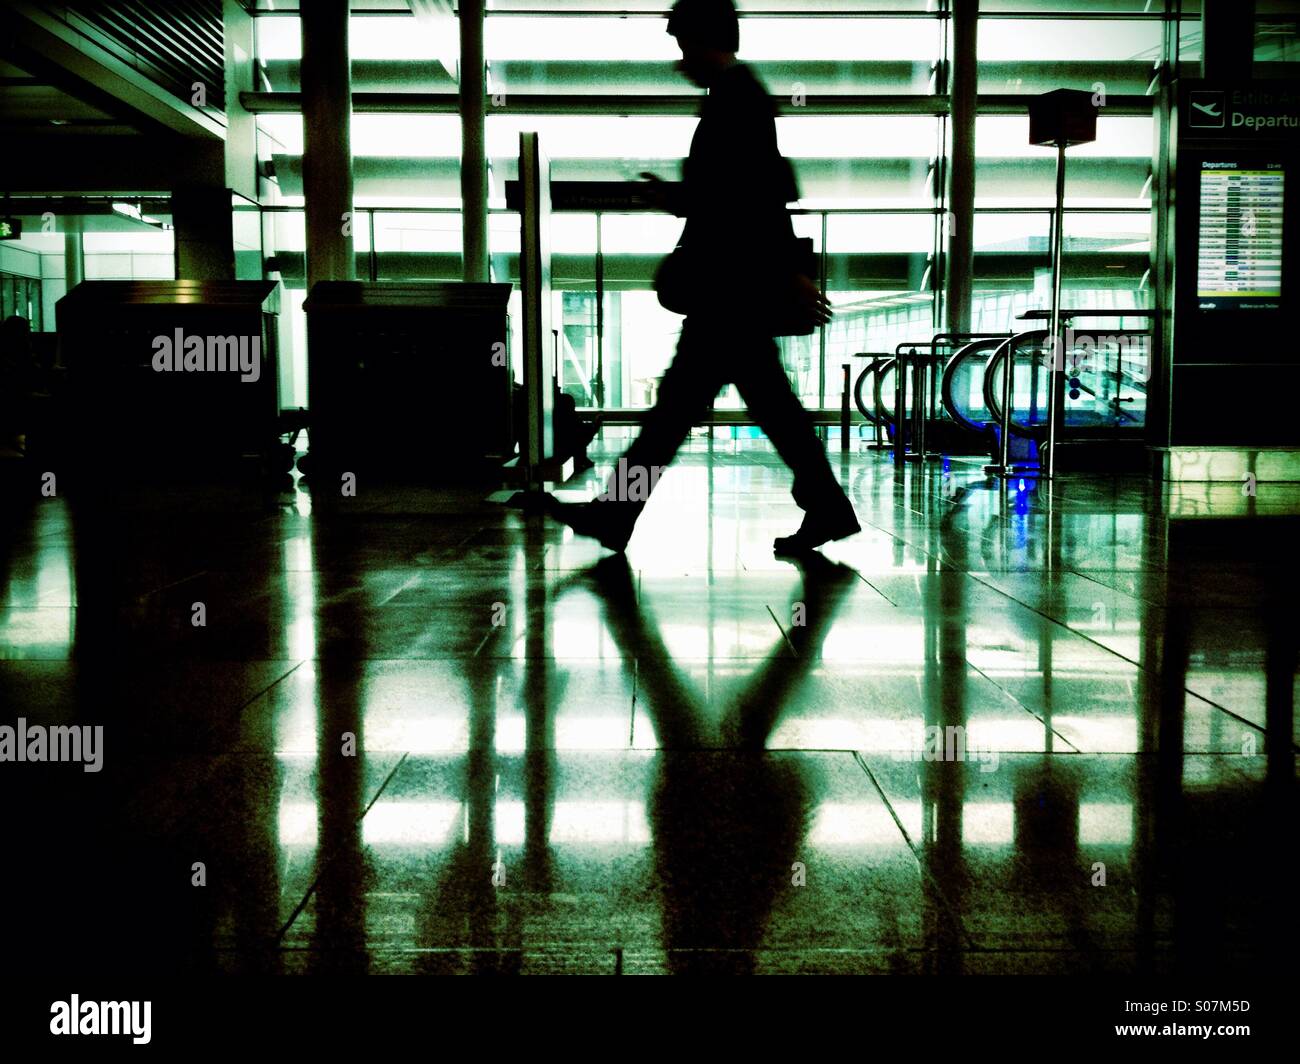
(900, 409)
(1056, 378)
(1004, 466)
(1008, 373)
(877, 424)
(846, 420)
(920, 364)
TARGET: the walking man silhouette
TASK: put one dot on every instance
(736, 258)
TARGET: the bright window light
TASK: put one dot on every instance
(639, 234)
(879, 233)
(279, 38)
(285, 131)
(593, 136)
(847, 39)
(598, 40)
(407, 136)
(1119, 137)
(853, 137)
(378, 136)
(1067, 40)
(605, 40)
(420, 233)
(1010, 232)
(159, 243)
(379, 37)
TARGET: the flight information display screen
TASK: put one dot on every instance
(1239, 251)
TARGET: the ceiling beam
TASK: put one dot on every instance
(56, 53)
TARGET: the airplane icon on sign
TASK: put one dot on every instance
(1207, 110)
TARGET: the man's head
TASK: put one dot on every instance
(708, 33)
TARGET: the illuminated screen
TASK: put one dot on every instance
(1239, 252)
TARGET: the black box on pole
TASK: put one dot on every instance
(1062, 116)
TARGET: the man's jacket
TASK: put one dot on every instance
(735, 187)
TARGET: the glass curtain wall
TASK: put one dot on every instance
(871, 167)
(118, 242)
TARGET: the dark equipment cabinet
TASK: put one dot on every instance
(408, 381)
(132, 404)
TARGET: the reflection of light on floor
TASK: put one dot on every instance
(600, 822)
(907, 739)
(416, 735)
(724, 637)
(571, 733)
(297, 823)
(838, 734)
(36, 615)
(297, 736)
(987, 823)
(983, 823)
(421, 823)
(425, 823)
(568, 635)
(298, 587)
(1113, 734)
(853, 824)
(1004, 662)
(1106, 822)
(892, 643)
(391, 823)
(54, 580)
(834, 824)
(35, 632)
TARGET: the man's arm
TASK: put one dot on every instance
(663, 195)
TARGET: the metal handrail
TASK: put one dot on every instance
(1070, 315)
(971, 350)
(999, 406)
(1003, 465)
(921, 357)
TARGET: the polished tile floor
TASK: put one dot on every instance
(1004, 729)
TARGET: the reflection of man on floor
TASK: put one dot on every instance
(728, 816)
(737, 246)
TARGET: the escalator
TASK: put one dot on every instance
(945, 431)
(1104, 415)
(1105, 391)
(962, 388)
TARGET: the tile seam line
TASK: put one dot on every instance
(1038, 717)
(920, 865)
(321, 866)
(1115, 653)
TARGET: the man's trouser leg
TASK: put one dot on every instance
(685, 392)
(766, 391)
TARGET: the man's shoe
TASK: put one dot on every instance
(817, 528)
(594, 520)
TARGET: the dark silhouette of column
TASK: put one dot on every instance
(473, 152)
(963, 85)
(204, 224)
(327, 141)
